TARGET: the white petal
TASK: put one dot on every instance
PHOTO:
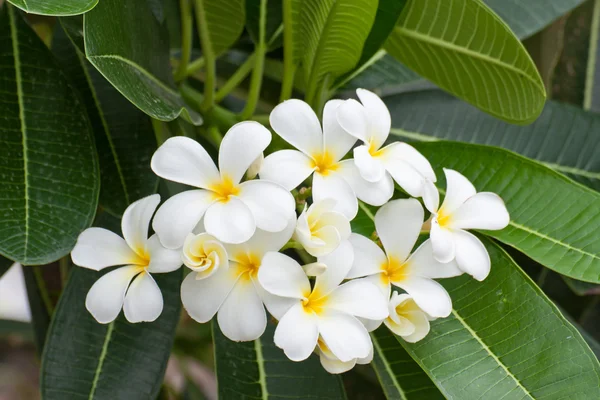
(98, 248)
(242, 144)
(324, 241)
(271, 204)
(471, 255)
(423, 263)
(297, 333)
(373, 193)
(181, 159)
(162, 259)
(368, 257)
(242, 316)
(484, 210)
(136, 221)
(179, 215)
(398, 224)
(382, 282)
(202, 298)
(338, 221)
(336, 140)
(281, 275)
(277, 306)
(359, 298)
(406, 176)
(338, 265)
(262, 241)
(411, 156)
(105, 298)
(335, 187)
(458, 190)
(344, 335)
(144, 301)
(422, 327)
(335, 366)
(429, 295)
(442, 241)
(370, 325)
(14, 303)
(314, 269)
(380, 120)
(289, 168)
(230, 221)
(367, 359)
(353, 118)
(431, 196)
(413, 324)
(370, 168)
(298, 125)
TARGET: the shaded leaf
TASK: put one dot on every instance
(553, 219)
(40, 305)
(5, 264)
(124, 135)
(125, 42)
(85, 359)
(274, 22)
(563, 137)
(224, 22)
(592, 83)
(48, 164)
(260, 370)
(466, 49)
(55, 7)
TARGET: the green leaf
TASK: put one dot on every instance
(553, 219)
(400, 376)
(466, 49)
(49, 167)
(40, 304)
(332, 34)
(563, 137)
(262, 371)
(274, 22)
(224, 22)
(85, 359)
(523, 17)
(582, 288)
(592, 83)
(124, 135)
(125, 42)
(505, 339)
(55, 7)
(5, 264)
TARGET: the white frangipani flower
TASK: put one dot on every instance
(328, 311)
(235, 292)
(398, 224)
(320, 152)
(334, 365)
(320, 229)
(98, 248)
(371, 122)
(406, 319)
(204, 255)
(463, 208)
(14, 303)
(232, 210)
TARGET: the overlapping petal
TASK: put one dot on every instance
(144, 301)
(242, 315)
(298, 125)
(136, 221)
(289, 168)
(105, 298)
(230, 221)
(297, 333)
(398, 224)
(270, 204)
(98, 248)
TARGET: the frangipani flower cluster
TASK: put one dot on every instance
(233, 230)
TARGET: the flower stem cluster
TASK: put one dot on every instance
(230, 229)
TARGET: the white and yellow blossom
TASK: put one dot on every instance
(327, 311)
(398, 224)
(99, 248)
(370, 122)
(234, 293)
(320, 229)
(320, 154)
(232, 209)
(204, 254)
(463, 208)
(334, 365)
(406, 319)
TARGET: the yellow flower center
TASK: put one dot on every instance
(374, 151)
(314, 302)
(248, 264)
(142, 260)
(443, 218)
(324, 163)
(224, 189)
(393, 270)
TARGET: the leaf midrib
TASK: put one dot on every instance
(387, 368)
(467, 52)
(18, 81)
(262, 376)
(105, 127)
(101, 359)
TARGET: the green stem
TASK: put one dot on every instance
(160, 132)
(214, 135)
(219, 116)
(292, 244)
(195, 66)
(186, 39)
(41, 284)
(304, 256)
(235, 79)
(255, 83)
(63, 265)
(209, 56)
(289, 67)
